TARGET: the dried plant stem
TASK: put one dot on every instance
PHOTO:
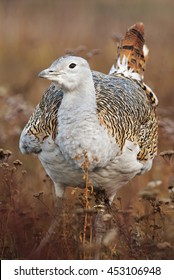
(6, 229)
(87, 217)
(39, 197)
(65, 235)
(36, 251)
(85, 166)
(86, 206)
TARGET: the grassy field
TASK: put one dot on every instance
(33, 34)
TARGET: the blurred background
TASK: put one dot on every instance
(32, 35)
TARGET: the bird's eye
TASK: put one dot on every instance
(72, 65)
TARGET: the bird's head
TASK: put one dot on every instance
(68, 72)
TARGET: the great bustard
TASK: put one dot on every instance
(110, 118)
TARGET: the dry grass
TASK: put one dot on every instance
(83, 227)
(138, 225)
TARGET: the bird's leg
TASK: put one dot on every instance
(100, 225)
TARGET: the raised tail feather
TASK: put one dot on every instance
(132, 53)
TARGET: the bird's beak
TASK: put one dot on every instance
(44, 74)
(49, 74)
